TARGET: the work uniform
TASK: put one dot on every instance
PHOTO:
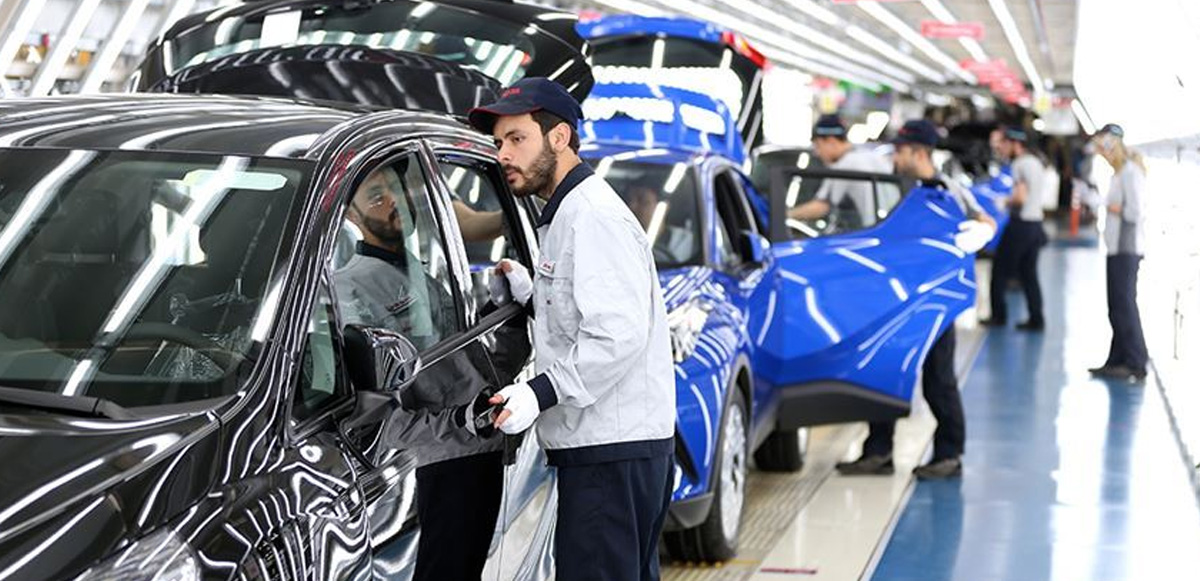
(459, 477)
(1021, 243)
(852, 202)
(605, 382)
(939, 384)
(1124, 238)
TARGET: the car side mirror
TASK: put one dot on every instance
(755, 247)
(380, 360)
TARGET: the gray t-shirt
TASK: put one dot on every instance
(860, 192)
(1125, 233)
(1028, 169)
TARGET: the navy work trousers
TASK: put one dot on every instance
(1128, 343)
(609, 518)
(940, 388)
(457, 504)
(1017, 256)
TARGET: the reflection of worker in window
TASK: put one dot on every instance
(671, 243)
(384, 284)
(853, 199)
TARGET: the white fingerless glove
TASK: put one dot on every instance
(498, 289)
(522, 403)
(520, 285)
(973, 235)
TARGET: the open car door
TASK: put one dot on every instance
(863, 295)
(442, 55)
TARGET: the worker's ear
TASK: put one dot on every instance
(560, 138)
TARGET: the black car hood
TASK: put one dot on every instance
(360, 73)
(106, 481)
(377, 77)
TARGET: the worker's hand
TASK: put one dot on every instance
(520, 285)
(479, 417)
(498, 288)
(520, 408)
(973, 235)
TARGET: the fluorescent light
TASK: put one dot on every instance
(44, 79)
(1000, 9)
(974, 49)
(878, 45)
(893, 22)
(97, 73)
(816, 11)
(1085, 120)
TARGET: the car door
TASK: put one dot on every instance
(474, 186)
(860, 306)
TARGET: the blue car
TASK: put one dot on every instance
(991, 195)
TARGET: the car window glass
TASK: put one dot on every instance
(320, 376)
(397, 276)
(140, 277)
(729, 223)
(665, 200)
(887, 196)
(486, 231)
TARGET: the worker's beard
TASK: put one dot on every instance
(389, 231)
(540, 174)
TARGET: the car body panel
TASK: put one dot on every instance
(236, 480)
(549, 46)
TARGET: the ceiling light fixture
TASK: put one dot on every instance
(1000, 9)
(920, 42)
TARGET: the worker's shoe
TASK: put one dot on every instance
(989, 322)
(1124, 373)
(868, 465)
(1031, 326)
(939, 469)
(1100, 370)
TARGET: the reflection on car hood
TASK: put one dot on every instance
(681, 284)
(118, 477)
(377, 77)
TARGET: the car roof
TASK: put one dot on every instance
(230, 125)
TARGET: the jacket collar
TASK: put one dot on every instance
(383, 254)
(573, 178)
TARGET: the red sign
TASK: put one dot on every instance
(939, 29)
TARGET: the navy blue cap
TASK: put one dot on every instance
(830, 126)
(1016, 134)
(1114, 129)
(919, 132)
(526, 96)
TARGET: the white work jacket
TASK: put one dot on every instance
(606, 379)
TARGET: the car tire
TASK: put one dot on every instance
(781, 452)
(716, 539)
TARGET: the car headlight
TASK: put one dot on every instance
(161, 556)
(686, 322)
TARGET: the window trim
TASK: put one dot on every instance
(344, 390)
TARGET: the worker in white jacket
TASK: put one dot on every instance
(604, 394)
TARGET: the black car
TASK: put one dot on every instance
(179, 397)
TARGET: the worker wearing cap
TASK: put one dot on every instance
(854, 199)
(914, 159)
(1125, 240)
(1023, 237)
(604, 394)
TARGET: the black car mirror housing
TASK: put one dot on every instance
(380, 360)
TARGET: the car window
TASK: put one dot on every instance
(320, 378)
(397, 275)
(733, 221)
(138, 276)
(486, 229)
(665, 200)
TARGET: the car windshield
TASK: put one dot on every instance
(137, 277)
(685, 63)
(498, 49)
(664, 198)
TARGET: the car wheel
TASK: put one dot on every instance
(783, 451)
(716, 539)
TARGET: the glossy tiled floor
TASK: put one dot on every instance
(1066, 477)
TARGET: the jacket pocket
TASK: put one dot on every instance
(557, 301)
